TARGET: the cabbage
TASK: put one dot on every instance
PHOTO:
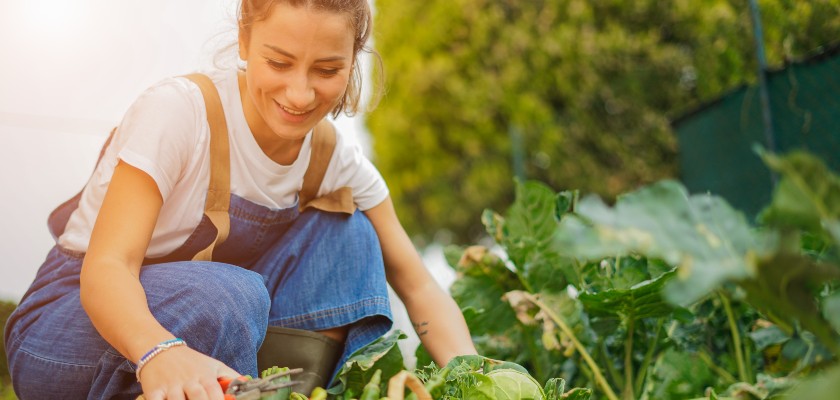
(504, 384)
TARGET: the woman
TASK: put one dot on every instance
(126, 295)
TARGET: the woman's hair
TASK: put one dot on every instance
(361, 21)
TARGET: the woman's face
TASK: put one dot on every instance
(299, 63)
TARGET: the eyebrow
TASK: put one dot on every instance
(290, 55)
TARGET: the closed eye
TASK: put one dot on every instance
(328, 71)
(276, 64)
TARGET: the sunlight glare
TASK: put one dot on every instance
(53, 19)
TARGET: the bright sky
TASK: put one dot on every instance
(70, 69)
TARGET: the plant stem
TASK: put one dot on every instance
(643, 368)
(617, 380)
(599, 376)
(532, 347)
(628, 360)
(718, 370)
(736, 338)
(748, 357)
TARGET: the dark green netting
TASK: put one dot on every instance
(716, 141)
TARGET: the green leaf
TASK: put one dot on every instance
(822, 386)
(554, 388)
(281, 394)
(578, 394)
(787, 286)
(766, 337)
(643, 300)
(452, 254)
(382, 354)
(831, 310)
(480, 388)
(807, 195)
(707, 239)
(679, 375)
(565, 203)
(483, 280)
(509, 384)
(525, 234)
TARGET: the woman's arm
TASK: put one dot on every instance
(115, 301)
(437, 319)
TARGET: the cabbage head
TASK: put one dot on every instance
(504, 384)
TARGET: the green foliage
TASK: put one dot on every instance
(669, 295)
(702, 234)
(283, 393)
(588, 86)
(480, 378)
(6, 392)
(508, 384)
(382, 355)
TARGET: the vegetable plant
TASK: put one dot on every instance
(664, 294)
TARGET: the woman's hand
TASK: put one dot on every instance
(183, 373)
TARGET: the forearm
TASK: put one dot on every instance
(439, 324)
(116, 304)
(436, 318)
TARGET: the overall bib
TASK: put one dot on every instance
(272, 269)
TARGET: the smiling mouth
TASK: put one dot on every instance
(293, 111)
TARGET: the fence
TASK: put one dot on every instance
(716, 141)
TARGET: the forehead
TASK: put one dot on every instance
(304, 27)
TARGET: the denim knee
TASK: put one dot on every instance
(353, 228)
(219, 309)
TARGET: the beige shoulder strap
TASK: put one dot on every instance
(218, 192)
(323, 145)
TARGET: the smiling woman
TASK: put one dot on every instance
(232, 183)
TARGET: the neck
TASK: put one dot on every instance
(281, 151)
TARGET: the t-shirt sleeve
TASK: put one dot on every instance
(349, 167)
(159, 132)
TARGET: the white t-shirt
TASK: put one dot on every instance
(165, 134)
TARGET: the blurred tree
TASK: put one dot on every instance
(588, 86)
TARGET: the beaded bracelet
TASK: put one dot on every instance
(159, 348)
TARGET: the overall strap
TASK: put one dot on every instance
(323, 145)
(218, 192)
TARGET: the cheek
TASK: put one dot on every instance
(336, 88)
(261, 81)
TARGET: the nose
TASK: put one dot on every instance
(299, 92)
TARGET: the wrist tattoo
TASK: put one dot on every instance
(421, 328)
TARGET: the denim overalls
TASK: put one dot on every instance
(309, 269)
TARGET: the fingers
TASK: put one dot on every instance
(225, 371)
(205, 390)
(162, 395)
(183, 373)
(155, 395)
(198, 391)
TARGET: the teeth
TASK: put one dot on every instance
(293, 112)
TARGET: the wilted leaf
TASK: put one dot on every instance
(483, 280)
